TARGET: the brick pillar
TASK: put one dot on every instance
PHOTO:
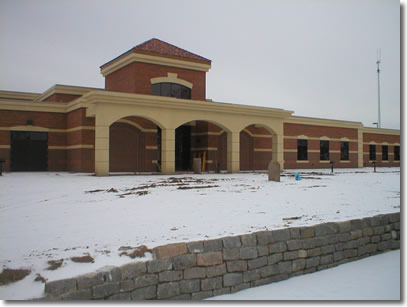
(233, 149)
(360, 147)
(278, 149)
(168, 151)
(101, 149)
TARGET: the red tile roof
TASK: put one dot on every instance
(158, 47)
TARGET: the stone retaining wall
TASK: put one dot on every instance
(201, 269)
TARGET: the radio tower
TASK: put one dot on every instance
(379, 124)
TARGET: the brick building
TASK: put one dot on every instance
(153, 115)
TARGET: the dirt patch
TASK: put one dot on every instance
(291, 218)
(183, 183)
(139, 193)
(83, 259)
(54, 264)
(197, 187)
(134, 252)
(11, 275)
(40, 278)
(94, 191)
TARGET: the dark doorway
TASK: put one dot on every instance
(29, 151)
(183, 148)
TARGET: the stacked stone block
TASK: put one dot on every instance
(201, 269)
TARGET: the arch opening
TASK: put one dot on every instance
(133, 145)
(201, 139)
(256, 146)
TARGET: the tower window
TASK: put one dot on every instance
(171, 90)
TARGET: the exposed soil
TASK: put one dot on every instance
(11, 275)
(291, 218)
(134, 252)
(83, 259)
(40, 278)
(197, 187)
(94, 191)
(55, 264)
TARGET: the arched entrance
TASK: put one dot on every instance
(200, 139)
(133, 145)
(256, 143)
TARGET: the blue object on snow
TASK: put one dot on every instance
(297, 176)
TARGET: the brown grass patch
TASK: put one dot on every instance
(10, 275)
(197, 187)
(54, 264)
(138, 252)
(94, 191)
(40, 278)
(83, 259)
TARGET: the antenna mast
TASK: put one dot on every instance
(379, 124)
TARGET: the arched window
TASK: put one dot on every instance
(171, 90)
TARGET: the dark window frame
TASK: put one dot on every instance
(324, 150)
(302, 150)
(344, 151)
(169, 89)
(372, 152)
(396, 153)
(385, 153)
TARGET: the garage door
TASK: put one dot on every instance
(29, 151)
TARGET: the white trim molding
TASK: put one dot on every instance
(171, 78)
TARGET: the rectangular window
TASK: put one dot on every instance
(396, 153)
(302, 150)
(372, 152)
(344, 151)
(324, 150)
(385, 153)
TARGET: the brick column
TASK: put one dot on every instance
(360, 148)
(101, 149)
(168, 151)
(278, 149)
(233, 150)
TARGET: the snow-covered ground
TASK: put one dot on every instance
(373, 278)
(53, 216)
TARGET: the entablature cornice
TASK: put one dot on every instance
(99, 97)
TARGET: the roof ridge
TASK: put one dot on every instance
(155, 45)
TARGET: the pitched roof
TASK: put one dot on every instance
(158, 47)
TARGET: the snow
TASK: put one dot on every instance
(51, 216)
(373, 278)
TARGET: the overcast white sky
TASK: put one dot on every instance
(314, 57)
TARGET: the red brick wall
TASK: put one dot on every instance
(313, 131)
(41, 119)
(135, 78)
(81, 160)
(76, 160)
(379, 139)
(318, 131)
(128, 152)
(255, 151)
(78, 118)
